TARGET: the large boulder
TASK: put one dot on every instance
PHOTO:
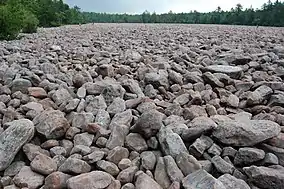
(52, 124)
(170, 142)
(201, 179)
(92, 180)
(144, 181)
(266, 177)
(12, 139)
(149, 123)
(231, 182)
(232, 71)
(245, 133)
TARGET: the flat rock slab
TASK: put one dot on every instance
(245, 133)
(92, 180)
(232, 71)
(12, 139)
(266, 177)
(201, 179)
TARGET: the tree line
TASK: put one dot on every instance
(26, 15)
(270, 14)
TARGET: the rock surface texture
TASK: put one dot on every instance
(110, 106)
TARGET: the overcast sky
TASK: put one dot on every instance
(160, 6)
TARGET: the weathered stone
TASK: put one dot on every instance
(127, 175)
(32, 151)
(20, 85)
(233, 71)
(27, 178)
(187, 163)
(117, 154)
(52, 124)
(103, 118)
(12, 139)
(56, 180)
(123, 118)
(161, 175)
(117, 136)
(200, 145)
(81, 120)
(201, 179)
(85, 139)
(61, 96)
(136, 142)
(14, 168)
(222, 166)
(266, 177)
(117, 106)
(197, 127)
(124, 164)
(247, 156)
(144, 181)
(128, 186)
(149, 123)
(172, 169)
(171, 143)
(108, 167)
(94, 157)
(74, 166)
(230, 182)
(37, 92)
(148, 160)
(246, 133)
(95, 179)
(43, 164)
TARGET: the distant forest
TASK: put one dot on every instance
(26, 15)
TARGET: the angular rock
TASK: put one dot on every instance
(27, 178)
(187, 163)
(14, 168)
(201, 179)
(161, 175)
(222, 166)
(37, 92)
(172, 169)
(56, 180)
(95, 179)
(117, 136)
(149, 123)
(200, 145)
(94, 157)
(247, 156)
(232, 71)
(197, 127)
(74, 166)
(117, 154)
(127, 175)
(20, 85)
(148, 160)
(12, 139)
(170, 142)
(144, 181)
(136, 142)
(52, 124)
(108, 167)
(230, 182)
(246, 133)
(43, 164)
(266, 177)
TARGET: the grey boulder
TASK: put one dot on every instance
(245, 133)
(12, 139)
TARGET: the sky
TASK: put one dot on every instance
(160, 6)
